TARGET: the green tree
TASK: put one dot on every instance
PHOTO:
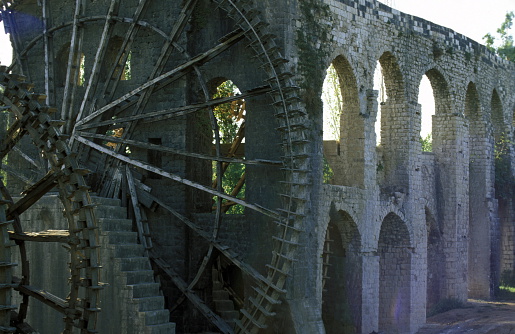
(332, 98)
(506, 49)
(427, 143)
(230, 117)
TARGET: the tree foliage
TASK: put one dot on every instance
(230, 117)
(332, 98)
(427, 143)
(506, 49)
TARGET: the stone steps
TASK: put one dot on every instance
(132, 269)
(224, 306)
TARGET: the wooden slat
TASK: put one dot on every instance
(33, 194)
(99, 56)
(49, 54)
(73, 64)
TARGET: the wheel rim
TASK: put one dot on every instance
(32, 118)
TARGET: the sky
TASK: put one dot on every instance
(472, 18)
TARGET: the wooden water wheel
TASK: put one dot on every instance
(119, 73)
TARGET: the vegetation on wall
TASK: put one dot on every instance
(504, 181)
(506, 49)
(311, 41)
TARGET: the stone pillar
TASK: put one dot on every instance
(452, 157)
(370, 293)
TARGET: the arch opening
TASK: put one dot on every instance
(427, 101)
(342, 276)
(394, 125)
(343, 127)
(394, 275)
(435, 264)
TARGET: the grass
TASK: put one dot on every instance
(506, 293)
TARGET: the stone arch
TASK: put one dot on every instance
(346, 156)
(394, 250)
(440, 91)
(497, 116)
(395, 126)
(435, 263)
(342, 275)
(442, 106)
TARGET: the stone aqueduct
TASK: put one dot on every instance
(396, 230)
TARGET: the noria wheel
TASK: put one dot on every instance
(141, 90)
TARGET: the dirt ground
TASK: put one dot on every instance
(478, 317)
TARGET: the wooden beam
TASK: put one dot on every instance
(165, 149)
(176, 112)
(49, 299)
(143, 231)
(174, 177)
(179, 70)
(33, 194)
(62, 236)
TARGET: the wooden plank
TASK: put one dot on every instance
(49, 54)
(249, 270)
(27, 158)
(194, 299)
(62, 236)
(179, 179)
(15, 173)
(73, 64)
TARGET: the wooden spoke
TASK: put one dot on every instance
(199, 303)
(177, 178)
(174, 112)
(34, 193)
(165, 149)
(175, 73)
(171, 92)
(47, 298)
